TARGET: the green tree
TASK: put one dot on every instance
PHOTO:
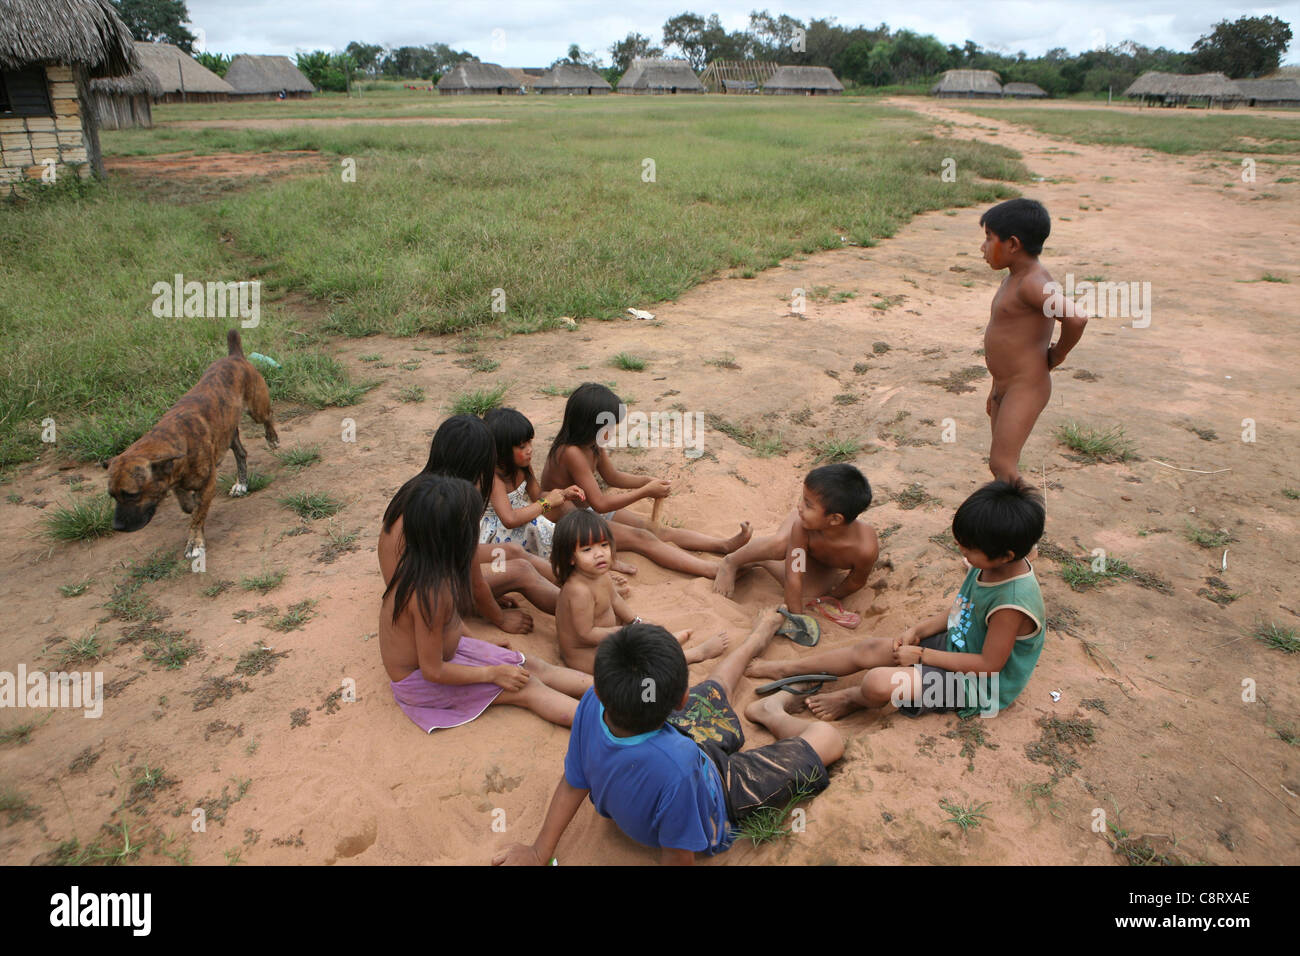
(631, 47)
(157, 21)
(365, 55)
(218, 63)
(1248, 46)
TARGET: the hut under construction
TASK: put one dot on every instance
(737, 76)
(804, 81)
(574, 79)
(266, 78)
(50, 50)
(471, 77)
(967, 84)
(655, 75)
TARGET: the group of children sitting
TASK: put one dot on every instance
(660, 757)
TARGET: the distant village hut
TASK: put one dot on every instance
(967, 84)
(1179, 89)
(266, 77)
(50, 50)
(182, 78)
(737, 76)
(1024, 91)
(472, 77)
(1272, 93)
(803, 81)
(653, 75)
(574, 79)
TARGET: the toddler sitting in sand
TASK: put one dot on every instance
(590, 608)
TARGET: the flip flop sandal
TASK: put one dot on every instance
(788, 684)
(800, 628)
(835, 612)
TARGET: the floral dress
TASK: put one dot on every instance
(534, 537)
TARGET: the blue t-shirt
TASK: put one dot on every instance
(659, 787)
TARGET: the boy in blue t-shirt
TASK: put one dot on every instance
(664, 761)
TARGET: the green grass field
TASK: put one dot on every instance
(549, 206)
(1178, 131)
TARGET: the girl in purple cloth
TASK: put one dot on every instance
(441, 678)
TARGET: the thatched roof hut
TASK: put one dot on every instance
(804, 81)
(1270, 92)
(573, 78)
(49, 52)
(266, 77)
(967, 83)
(183, 78)
(471, 76)
(651, 75)
(1182, 89)
(1024, 91)
(122, 102)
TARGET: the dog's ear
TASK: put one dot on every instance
(161, 468)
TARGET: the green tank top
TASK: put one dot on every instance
(968, 626)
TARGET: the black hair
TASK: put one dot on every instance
(842, 490)
(640, 676)
(1000, 517)
(462, 447)
(1026, 219)
(439, 536)
(583, 416)
(578, 528)
(510, 429)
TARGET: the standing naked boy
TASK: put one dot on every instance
(1017, 342)
(819, 539)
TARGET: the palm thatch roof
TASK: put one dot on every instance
(1023, 89)
(1274, 90)
(526, 77)
(177, 70)
(968, 81)
(85, 33)
(133, 84)
(655, 73)
(473, 75)
(572, 76)
(1184, 86)
(248, 73)
(802, 78)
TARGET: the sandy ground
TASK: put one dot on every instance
(289, 773)
(186, 165)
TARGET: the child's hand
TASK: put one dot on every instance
(905, 655)
(510, 677)
(516, 854)
(555, 496)
(657, 487)
(1053, 359)
(909, 637)
(574, 493)
(515, 621)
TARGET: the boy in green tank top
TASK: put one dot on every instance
(976, 656)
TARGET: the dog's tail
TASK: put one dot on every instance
(233, 345)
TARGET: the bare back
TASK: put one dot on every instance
(400, 642)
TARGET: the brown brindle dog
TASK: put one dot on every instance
(183, 450)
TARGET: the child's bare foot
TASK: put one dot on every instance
(739, 539)
(684, 636)
(724, 582)
(766, 670)
(767, 707)
(710, 649)
(836, 703)
(621, 585)
(622, 567)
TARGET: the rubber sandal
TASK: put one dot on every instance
(835, 612)
(800, 628)
(787, 684)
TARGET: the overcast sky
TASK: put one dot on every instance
(537, 32)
